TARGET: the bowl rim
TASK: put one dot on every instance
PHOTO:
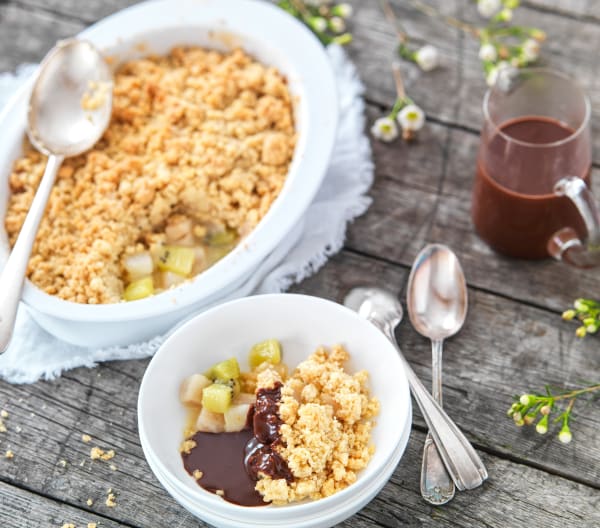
(318, 102)
(215, 503)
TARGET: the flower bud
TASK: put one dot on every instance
(337, 24)
(545, 410)
(529, 418)
(427, 57)
(488, 8)
(517, 417)
(505, 15)
(511, 4)
(520, 423)
(542, 425)
(530, 50)
(565, 435)
(581, 306)
(538, 35)
(527, 399)
(568, 315)
(488, 52)
(342, 10)
(319, 24)
(581, 331)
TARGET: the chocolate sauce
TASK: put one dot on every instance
(514, 208)
(220, 457)
(261, 456)
(232, 462)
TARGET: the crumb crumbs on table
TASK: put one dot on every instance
(9, 454)
(96, 453)
(86, 438)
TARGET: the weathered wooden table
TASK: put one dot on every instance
(513, 340)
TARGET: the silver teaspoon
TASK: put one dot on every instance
(465, 467)
(437, 306)
(69, 109)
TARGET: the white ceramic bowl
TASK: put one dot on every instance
(301, 323)
(274, 38)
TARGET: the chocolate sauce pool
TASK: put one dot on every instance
(231, 462)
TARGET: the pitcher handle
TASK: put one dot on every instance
(565, 244)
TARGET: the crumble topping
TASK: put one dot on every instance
(328, 416)
(197, 132)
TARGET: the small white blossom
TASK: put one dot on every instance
(565, 436)
(488, 8)
(342, 10)
(427, 57)
(385, 129)
(337, 24)
(530, 50)
(502, 76)
(488, 52)
(411, 118)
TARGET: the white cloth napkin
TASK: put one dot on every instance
(35, 354)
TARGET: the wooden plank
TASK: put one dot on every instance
(22, 509)
(26, 36)
(518, 488)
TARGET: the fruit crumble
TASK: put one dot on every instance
(197, 150)
(300, 436)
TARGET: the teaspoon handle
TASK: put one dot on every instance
(436, 485)
(462, 461)
(13, 274)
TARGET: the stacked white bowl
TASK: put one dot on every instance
(301, 323)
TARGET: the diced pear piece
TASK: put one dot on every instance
(177, 259)
(244, 397)
(226, 370)
(168, 279)
(190, 391)
(139, 289)
(236, 417)
(210, 422)
(138, 266)
(269, 350)
(216, 398)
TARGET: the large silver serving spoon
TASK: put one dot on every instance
(69, 109)
(465, 467)
(437, 306)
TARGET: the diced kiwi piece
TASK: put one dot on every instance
(222, 238)
(226, 370)
(139, 289)
(216, 398)
(177, 259)
(269, 350)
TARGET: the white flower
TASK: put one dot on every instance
(488, 8)
(385, 129)
(337, 24)
(411, 118)
(502, 76)
(488, 52)
(342, 10)
(427, 57)
(530, 50)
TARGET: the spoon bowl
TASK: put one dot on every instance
(69, 109)
(437, 293)
(71, 100)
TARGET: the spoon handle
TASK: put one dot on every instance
(462, 461)
(11, 280)
(436, 485)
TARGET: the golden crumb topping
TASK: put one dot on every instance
(328, 416)
(205, 134)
